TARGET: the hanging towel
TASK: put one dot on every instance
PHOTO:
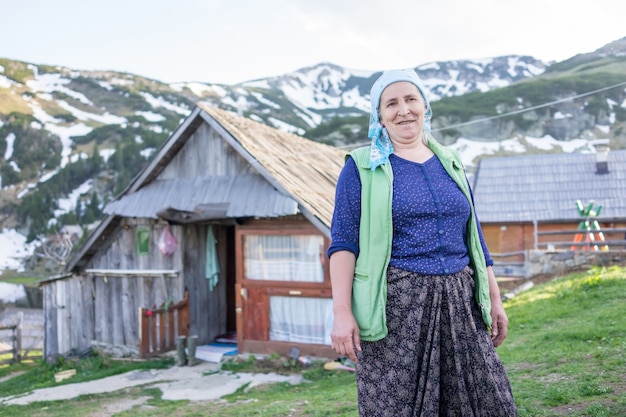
(212, 268)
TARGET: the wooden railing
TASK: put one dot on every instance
(610, 239)
(158, 328)
(613, 238)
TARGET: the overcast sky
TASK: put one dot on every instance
(229, 41)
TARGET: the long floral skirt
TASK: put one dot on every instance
(438, 358)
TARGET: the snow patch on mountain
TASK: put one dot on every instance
(261, 99)
(14, 249)
(150, 116)
(5, 82)
(286, 127)
(8, 153)
(50, 83)
(157, 102)
(68, 204)
(472, 150)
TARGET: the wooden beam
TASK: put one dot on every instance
(126, 272)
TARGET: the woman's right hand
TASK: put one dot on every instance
(345, 336)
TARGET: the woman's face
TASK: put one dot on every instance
(402, 111)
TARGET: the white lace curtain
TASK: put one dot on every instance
(284, 257)
(301, 319)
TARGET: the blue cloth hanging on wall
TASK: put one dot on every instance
(212, 267)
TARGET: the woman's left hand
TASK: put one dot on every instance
(499, 320)
(499, 323)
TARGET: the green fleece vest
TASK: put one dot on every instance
(369, 288)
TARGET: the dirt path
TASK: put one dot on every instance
(202, 382)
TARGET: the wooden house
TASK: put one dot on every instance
(532, 201)
(230, 213)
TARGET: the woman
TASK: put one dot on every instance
(415, 300)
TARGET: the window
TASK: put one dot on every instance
(301, 319)
(142, 241)
(284, 257)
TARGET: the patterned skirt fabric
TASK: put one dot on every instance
(438, 358)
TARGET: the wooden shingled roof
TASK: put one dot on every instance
(307, 170)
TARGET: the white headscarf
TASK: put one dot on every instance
(381, 144)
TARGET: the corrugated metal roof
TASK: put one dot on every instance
(546, 187)
(206, 198)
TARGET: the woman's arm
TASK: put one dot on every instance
(345, 336)
(500, 322)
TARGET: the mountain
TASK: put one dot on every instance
(71, 140)
(579, 98)
(303, 99)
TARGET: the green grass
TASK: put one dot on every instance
(12, 277)
(16, 70)
(565, 356)
(29, 358)
(566, 350)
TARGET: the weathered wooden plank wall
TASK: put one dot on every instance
(116, 304)
(122, 251)
(68, 315)
(83, 326)
(118, 298)
(50, 343)
(205, 154)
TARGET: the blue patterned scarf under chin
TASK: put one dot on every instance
(381, 143)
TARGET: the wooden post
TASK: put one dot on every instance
(154, 336)
(162, 341)
(171, 333)
(18, 337)
(144, 333)
(183, 318)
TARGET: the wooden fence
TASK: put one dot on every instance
(18, 349)
(611, 238)
(158, 328)
(516, 263)
(15, 340)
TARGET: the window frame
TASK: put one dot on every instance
(283, 229)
